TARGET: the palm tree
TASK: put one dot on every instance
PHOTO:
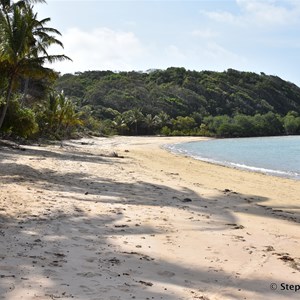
(67, 116)
(133, 117)
(151, 122)
(119, 123)
(164, 119)
(24, 41)
(60, 115)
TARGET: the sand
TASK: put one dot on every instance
(77, 222)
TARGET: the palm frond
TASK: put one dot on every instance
(55, 58)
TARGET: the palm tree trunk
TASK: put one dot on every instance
(7, 99)
(25, 91)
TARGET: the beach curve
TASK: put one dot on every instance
(122, 218)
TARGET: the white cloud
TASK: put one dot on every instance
(221, 16)
(260, 13)
(99, 49)
(269, 11)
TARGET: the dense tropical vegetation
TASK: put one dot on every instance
(181, 102)
(24, 79)
(35, 101)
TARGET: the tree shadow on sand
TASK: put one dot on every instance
(59, 254)
(95, 188)
(64, 256)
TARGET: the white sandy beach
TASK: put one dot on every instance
(76, 223)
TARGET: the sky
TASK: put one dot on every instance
(122, 35)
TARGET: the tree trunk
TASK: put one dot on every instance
(7, 99)
(25, 91)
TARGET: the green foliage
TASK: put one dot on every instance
(24, 42)
(179, 92)
(166, 131)
(20, 121)
(133, 118)
(151, 123)
(87, 120)
(243, 125)
(181, 102)
(59, 117)
(120, 124)
(291, 123)
(183, 123)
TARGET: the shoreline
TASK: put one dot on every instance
(78, 222)
(210, 170)
(235, 165)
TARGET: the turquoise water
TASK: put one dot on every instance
(279, 156)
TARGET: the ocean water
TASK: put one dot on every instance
(279, 156)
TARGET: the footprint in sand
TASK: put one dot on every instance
(90, 259)
(166, 274)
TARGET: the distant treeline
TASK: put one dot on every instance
(169, 102)
(181, 102)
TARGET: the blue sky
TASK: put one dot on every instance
(248, 35)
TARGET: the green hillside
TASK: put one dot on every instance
(182, 96)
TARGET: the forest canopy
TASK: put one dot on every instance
(35, 101)
(177, 101)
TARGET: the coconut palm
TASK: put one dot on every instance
(133, 117)
(119, 123)
(151, 122)
(60, 115)
(66, 114)
(24, 41)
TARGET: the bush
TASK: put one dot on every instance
(20, 121)
(165, 131)
(291, 124)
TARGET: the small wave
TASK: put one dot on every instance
(264, 170)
